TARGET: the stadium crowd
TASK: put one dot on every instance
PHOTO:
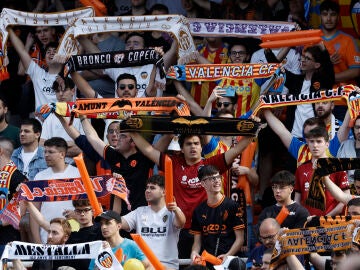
(230, 192)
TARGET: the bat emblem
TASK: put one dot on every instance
(184, 121)
(121, 103)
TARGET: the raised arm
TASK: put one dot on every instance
(20, 48)
(343, 132)
(194, 106)
(37, 216)
(83, 86)
(146, 148)
(278, 127)
(180, 219)
(93, 137)
(70, 129)
(233, 152)
(336, 192)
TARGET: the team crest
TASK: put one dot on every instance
(105, 259)
(118, 58)
(144, 75)
(165, 218)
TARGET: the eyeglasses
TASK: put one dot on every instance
(226, 104)
(306, 58)
(129, 86)
(213, 178)
(82, 211)
(240, 53)
(113, 131)
(279, 187)
(269, 237)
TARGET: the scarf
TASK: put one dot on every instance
(214, 72)
(114, 60)
(104, 257)
(191, 124)
(177, 25)
(236, 28)
(316, 196)
(347, 92)
(314, 239)
(114, 108)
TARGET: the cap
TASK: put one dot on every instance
(108, 215)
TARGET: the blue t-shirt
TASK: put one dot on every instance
(130, 250)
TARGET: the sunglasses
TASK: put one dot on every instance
(226, 104)
(129, 86)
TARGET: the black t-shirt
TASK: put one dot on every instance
(208, 219)
(135, 170)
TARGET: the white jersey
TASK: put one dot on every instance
(42, 81)
(55, 209)
(142, 74)
(158, 231)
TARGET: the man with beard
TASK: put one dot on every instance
(159, 224)
(8, 131)
(59, 231)
(323, 110)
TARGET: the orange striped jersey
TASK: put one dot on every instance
(201, 92)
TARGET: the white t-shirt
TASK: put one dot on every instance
(52, 127)
(43, 82)
(142, 74)
(292, 62)
(26, 158)
(52, 210)
(158, 231)
(302, 112)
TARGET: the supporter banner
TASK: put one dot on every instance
(16, 17)
(113, 60)
(177, 25)
(349, 93)
(190, 124)
(236, 28)
(325, 166)
(104, 257)
(214, 72)
(11, 212)
(115, 108)
(331, 220)
(315, 239)
(69, 189)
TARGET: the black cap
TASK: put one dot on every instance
(108, 215)
(357, 175)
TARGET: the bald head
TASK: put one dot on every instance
(268, 232)
(6, 146)
(270, 223)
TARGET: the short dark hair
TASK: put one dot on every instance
(183, 137)
(354, 201)
(51, 44)
(237, 264)
(157, 180)
(312, 121)
(57, 142)
(69, 83)
(207, 170)
(125, 76)
(318, 132)
(159, 7)
(139, 34)
(329, 5)
(81, 203)
(237, 41)
(36, 125)
(283, 178)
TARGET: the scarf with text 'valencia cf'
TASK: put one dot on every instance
(214, 72)
(114, 59)
(325, 166)
(158, 124)
(347, 94)
(313, 239)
